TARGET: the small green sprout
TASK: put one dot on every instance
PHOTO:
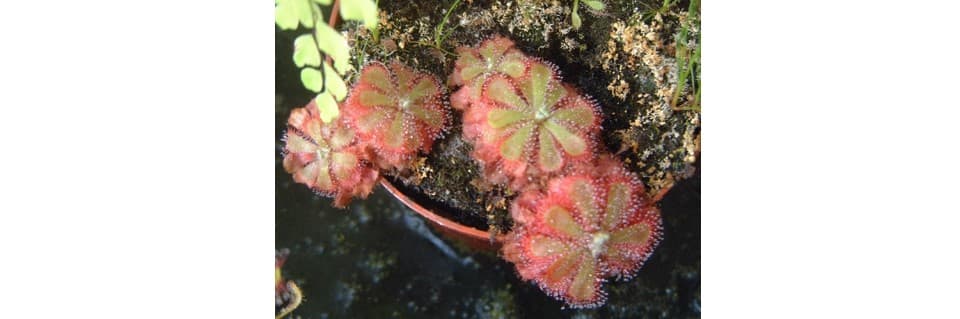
(596, 5)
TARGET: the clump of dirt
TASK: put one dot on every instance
(663, 140)
(622, 57)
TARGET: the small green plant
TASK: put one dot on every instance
(688, 60)
(593, 4)
(438, 35)
(688, 63)
(323, 54)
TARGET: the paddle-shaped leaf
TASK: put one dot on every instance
(397, 112)
(582, 229)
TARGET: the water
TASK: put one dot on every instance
(378, 259)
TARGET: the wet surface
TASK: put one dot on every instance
(378, 259)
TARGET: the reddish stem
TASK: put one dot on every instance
(334, 13)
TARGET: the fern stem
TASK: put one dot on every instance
(334, 14)
(333, 24)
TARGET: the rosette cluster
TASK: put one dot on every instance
(327, 157)
(525, 124)
(580, 216)
(582, 229)
(390, 115)
(397, 111)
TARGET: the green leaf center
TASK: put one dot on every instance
(543, 112)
